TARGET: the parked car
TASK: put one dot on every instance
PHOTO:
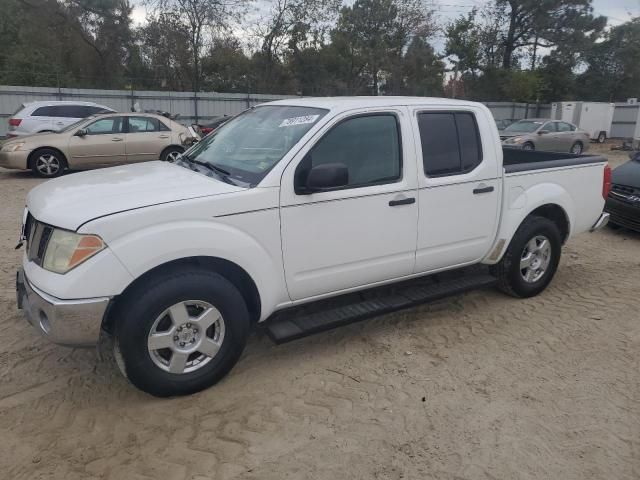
(97, 141)
(623, 202)
(293, 202)
(546, 135)
(209, 127)
(39, 117)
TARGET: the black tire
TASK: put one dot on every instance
(602, 137)
(508, 271)
(169, 152)
(47, 163)
(139, 310)
(577, 148)
(528, 146)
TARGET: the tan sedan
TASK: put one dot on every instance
(545, 135)
(98, 141)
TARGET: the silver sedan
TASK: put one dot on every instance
(546, 135)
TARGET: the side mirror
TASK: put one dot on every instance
(327, 177)
(543, 132)
(81, 133)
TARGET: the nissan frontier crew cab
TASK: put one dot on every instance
(287, 205)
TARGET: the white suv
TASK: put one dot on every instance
(36, 117)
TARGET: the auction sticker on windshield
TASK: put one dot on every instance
(290, 122)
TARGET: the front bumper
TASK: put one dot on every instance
(14, 160)
(624, 213)
(66, 322)
(601, 223)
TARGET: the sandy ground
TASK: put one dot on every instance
(479, 386)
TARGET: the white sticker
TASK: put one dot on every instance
(290, 122)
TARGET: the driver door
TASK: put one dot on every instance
(103, 144)
(360, 233)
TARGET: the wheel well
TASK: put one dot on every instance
(32, 155)
(232, 272)
(557, 215)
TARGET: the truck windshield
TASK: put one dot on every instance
(248, 146)
(527, 126)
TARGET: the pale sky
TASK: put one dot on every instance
(617, 11)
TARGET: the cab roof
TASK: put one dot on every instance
(350, 103)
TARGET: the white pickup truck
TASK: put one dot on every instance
(291, 203)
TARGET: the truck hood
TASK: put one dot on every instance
(627, 174)
(72, 200)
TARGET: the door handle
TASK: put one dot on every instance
(403, 201)
(482, 189)
(163, 136)
(117, 139)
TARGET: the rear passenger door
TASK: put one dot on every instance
(459, 187)
(566, 136)
(146, 138)
(40, 120)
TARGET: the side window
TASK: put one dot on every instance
(105, 126)
(550, 127)
(43, 112)
(94, 110)
(565, 127)
(450, 143)
(369, 146)
(75, 111)
(163, 127)
(143, 124)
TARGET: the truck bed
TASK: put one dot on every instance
(515, 160)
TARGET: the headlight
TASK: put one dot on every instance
(514, 140)
(13, 147)
(66, 250)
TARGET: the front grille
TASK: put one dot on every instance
(37, 235)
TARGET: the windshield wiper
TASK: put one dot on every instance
(220, 172)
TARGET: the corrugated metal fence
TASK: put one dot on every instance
(194, 107)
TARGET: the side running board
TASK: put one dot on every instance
(299, 322)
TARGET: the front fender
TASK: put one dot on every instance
(142, 250)
(519, 203)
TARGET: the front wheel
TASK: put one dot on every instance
(531, 260)
(47, 163)
(529, 147)
(171, 154)
(180, 333)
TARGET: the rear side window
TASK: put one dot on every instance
(450, 143)
(43, 112)
(143, 124)
(565, 127)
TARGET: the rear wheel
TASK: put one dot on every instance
(577, 148)
(602, 137)
(47, 163)
(530, 147)
(171, 154)
(531, 260)
(181, 332)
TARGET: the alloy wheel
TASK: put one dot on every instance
(186, 336)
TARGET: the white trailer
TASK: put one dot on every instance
(592, 117)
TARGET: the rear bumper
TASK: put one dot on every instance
(74, 323)
(601, 223)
